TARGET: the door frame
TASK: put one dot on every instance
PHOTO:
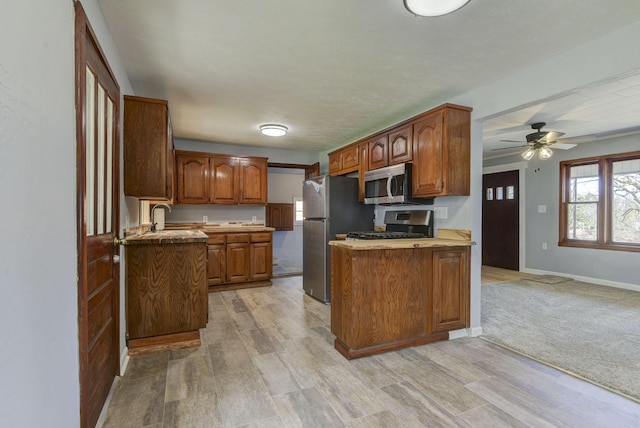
(520, 167)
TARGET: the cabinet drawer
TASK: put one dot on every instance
(238, 237)
(261, 237)
(216, 238)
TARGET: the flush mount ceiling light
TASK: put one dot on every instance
(433, 7)
(273, 130)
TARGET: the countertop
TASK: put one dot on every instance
(168, 237)
(393, 244)
(220, 227)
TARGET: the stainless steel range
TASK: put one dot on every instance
(401, 225)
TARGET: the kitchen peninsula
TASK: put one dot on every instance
(392, 294)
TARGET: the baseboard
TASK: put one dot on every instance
(465, 332)
(599, 281)
(124, 360)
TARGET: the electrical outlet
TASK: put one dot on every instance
(205, 219)
(254, 219)
(542, 208)
(544, 245)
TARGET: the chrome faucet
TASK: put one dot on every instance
(153, 210)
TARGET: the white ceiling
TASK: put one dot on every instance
(334, 71)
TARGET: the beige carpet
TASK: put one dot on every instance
(588, 330)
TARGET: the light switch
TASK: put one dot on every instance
(542, 208)
(440, 212)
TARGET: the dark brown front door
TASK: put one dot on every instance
(500, 220)
(97, 110)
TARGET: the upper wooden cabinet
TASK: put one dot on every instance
(148, 149)
(205, 178)
(378, 148)
(223, 179)
(441, 152)
(193, 183)
(401, 144)
(344, 161)
(279, 216)
(253, 181)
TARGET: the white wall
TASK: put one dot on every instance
(38, 262)
(283, 186)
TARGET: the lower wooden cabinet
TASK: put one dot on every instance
(166, 289)
(238, 258)
(388, 299)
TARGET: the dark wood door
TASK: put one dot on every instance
(97, 131)
(500, 220)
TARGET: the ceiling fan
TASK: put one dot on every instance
(540, 142)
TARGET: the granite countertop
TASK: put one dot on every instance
(168, 237)
(220, 227)
(393, 244)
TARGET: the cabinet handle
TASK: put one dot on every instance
(117, 241)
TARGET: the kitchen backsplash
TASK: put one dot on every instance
(214, 213)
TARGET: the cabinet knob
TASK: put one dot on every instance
(117, 241)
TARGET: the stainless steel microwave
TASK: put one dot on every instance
(389, 185)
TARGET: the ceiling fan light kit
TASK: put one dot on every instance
(273, 130)
(433, 7)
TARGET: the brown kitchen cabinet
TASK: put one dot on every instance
(279, 216)
(149, 156)
(239, 259)
(384, 299)
(441, 152)
(193, 178)
(450, 283)
(378, 149)
(205, 178)
(166, 290)
(344, 160)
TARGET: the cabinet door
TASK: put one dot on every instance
(148, 149)
(287, 216)
(450, 289)
(216, 264)
(253, 181)
(400, 145)
(378, 152)
(335, 163)
(428, 156)
(238, 269)
(193, 179)
(261, 261)
(274, 217)
(223, 182)
(350, 159)
(363, 149)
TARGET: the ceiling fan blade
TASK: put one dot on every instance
(562, 146)
(551, 136)
(508, 148)
(512, 141)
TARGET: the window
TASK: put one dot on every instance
(600, 202)
(297, 207)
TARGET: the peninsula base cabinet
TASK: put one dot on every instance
(166, 295)
(389, 299)
(239, 260)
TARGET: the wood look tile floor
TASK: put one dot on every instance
(268, 360)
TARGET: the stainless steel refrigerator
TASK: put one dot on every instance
(330, 206)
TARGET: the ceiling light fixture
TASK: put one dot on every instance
(433, 7)
(541, 150)
(273, 130)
